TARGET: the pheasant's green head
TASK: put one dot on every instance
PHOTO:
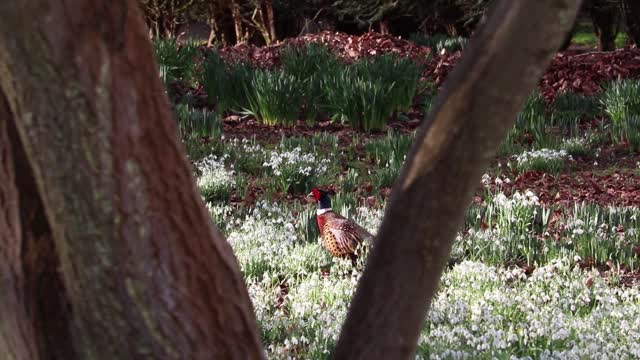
(321, 197)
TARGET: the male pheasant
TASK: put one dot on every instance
(341, 236)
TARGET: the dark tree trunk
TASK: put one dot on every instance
(450, 16)
(631, 10)
(213, 24)
(271, 20)
(384, 27)
(35, 316)
(236, 15)
(478, 104)
(569, 36)
(127, 263)
(606, 20)
(100, 213)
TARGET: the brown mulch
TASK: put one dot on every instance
(618, 189)
(585, 72)
(347, 47)
(249, 127)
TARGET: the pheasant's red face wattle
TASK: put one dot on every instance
(316, 194)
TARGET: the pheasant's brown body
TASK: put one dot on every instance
(340, 235)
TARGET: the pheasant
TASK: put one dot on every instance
(341, 236)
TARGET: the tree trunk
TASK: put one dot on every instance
(271, 20)
(143, 272)
(631, 10)
(478, 105)
(213, 23)
(35, 317)
(236, 15)
(569, 36)
(384, 27)
(260, 23)
(605, 23)
(95, 184)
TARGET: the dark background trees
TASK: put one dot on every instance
(229, 22)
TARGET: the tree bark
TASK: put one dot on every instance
(631, 9)
(271, 19)
(213, 23)
(236, 15)
(259, 22)
(384, 27)
(477, 107)
(144, 272)
(605, 18)
(35, 318)
(569, 36)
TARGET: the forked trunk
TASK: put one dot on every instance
(106, 249)
(127, 263)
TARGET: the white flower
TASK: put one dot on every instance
(213, 175)
(545, 154)
(486, 179)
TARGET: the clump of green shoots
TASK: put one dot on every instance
(175, 61)
(621, 101)
(226, 84)
(275, 97)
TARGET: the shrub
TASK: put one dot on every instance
(311, 65)
(350, 180)
(368, 92)
(175, 61)
(363, 103)
(402, 73)
(293, 171)
(275, 97)
(439, 42)
(568, 108)
(197, 123)
(246, 155)
(530, 120)
(428, 101)
(591, 230)
(323, 142)
(215, 182)
(226, 84)
(532, 116)
(215, 79)
(633, 131)
(386, 176)
(505, 229)
(546, 160)
(576, 147)
(391, 148)
(621, 101)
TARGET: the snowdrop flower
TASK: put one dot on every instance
(545, 154)
(486, 179)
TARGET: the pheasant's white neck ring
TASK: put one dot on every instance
(322, 211)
